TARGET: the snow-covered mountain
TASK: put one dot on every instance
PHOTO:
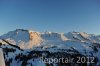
(27, 39)
(30, 44)
(23, 38)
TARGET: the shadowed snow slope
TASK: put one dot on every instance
(25, 47)
(27, 39)
(23, 38)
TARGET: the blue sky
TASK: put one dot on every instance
(50, 15)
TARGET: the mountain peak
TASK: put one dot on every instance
(23, 38)
(21, 30)
(20, 43)
(28, 38)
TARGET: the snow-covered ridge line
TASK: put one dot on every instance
(29, 39)
(36, 44)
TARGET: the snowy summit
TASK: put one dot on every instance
(30, 44)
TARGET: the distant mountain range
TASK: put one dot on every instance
(25, 47)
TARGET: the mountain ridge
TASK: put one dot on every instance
(29, 38)
(25, 47)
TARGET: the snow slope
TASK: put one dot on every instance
(23, 38)
(20, 44)
(27, 39)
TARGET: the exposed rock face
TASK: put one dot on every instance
(24, 47)
(25, 39)
(35, 39)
